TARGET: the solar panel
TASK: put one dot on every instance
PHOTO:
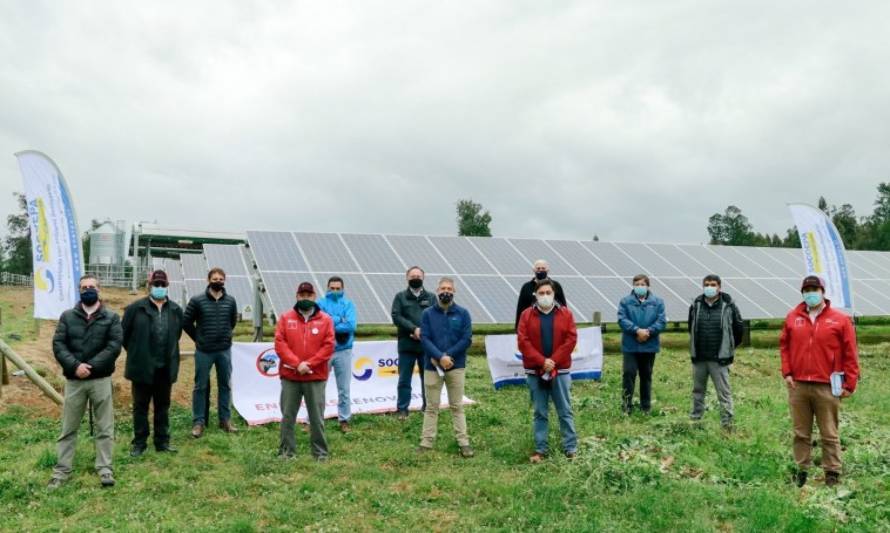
(499, 297)
(614, 258)
(711, 261)
(614, 289)
(585, 298)
(651, 262)
(753, 290)
(282, 288)
(748, 261)
(326, 252)
(503, 256)
(777, 264)
(863, 267)
(373, 253)
(417, 250)
(687, 289)
(861, 298)
(582, 260)
(534, 249)
(276, 251)
(675, 307)
(784, 289)
(369, 309)
(173, 269)
(227, 257)
(462, 255)
(880, 260)
(685, 264)
(193, 266)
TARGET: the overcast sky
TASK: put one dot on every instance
(629, 120)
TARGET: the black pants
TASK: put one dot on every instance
(157, 393)
(641, 363)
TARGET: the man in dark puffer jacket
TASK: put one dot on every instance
(86, 344)
(209, 320)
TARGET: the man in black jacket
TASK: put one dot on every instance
(152, 328)
(527, 292)
(715, 331)
(209, 320)
(407, 309)
(86, 344)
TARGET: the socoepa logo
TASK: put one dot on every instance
(267, 363)
(363, 368)
(43, 277)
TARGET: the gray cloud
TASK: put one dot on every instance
(633, 121)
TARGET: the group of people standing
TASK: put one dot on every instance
(817, 345)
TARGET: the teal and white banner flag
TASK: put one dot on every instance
(55, 239)
(824, 253)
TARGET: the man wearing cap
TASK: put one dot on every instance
(715, 331)
(152, 328)
(304, 342)
(820, 364)
(86, 344)
(527, 293)
(209, 319)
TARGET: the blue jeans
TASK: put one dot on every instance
(560, 392)
(407, 360)
(341, 362)
(203, 362)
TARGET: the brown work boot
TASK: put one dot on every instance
(536, 458)
(198, 431)
(344, 426)
(228, 427)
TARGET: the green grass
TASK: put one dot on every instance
(658, 473)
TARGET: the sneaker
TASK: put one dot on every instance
(536, 458)
(801, 478)
(344, 427)
(55, 483)
(198, 431)
(466, 451)
(137, 451)
(106, 479)
(166, 448)
(832, 479)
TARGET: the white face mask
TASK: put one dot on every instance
(545, 301)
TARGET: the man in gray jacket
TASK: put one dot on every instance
(715, 330)
(407, 309)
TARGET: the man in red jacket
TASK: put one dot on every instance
(546, 336)
(820, 365)
(304, 342)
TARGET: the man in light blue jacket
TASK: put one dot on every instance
(342, 312)
(642, 319)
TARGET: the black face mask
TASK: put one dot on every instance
(446, 298)
(217, 285)
(305, 305)
(541, 275)
(415, 283)
(89, 296)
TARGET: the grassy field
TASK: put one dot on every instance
(657, 473)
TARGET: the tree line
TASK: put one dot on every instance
(869, 232)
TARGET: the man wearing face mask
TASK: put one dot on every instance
(304, 341)
(407, 309)
(820, 364)
(546, 339)
(446, 334)
(209, 319)
(715, 331)
(527, 293)
(86, 344)
(342, 312)
(152, 329)
(642, 318)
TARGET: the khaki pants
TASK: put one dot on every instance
(806, 401)
(77, 392)
(454, 384)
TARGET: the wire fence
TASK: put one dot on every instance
(17, 280)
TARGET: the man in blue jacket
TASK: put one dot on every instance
(342, 312)
(642, 319)
(446, 332)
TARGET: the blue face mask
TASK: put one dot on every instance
(641, 290)
(335, 295)
(158, 293)
(710, 292)
(812, 299)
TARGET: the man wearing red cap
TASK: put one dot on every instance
(304, 342)
(820, 365)
(152, 328)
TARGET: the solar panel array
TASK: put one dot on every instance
(232, 259)
(595, 275)
(176, 289)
